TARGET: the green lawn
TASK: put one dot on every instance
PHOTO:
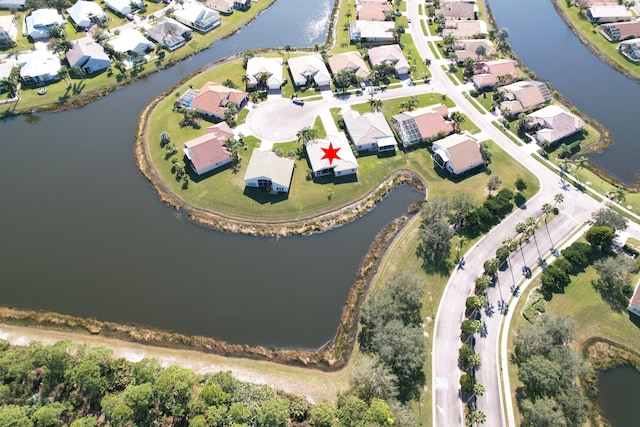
(475, 103)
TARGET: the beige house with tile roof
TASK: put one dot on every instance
(349, 60)
(369, 131)
(468, 48)
(209, 151)
(524, 96)
(619, 31)
(553, 123)
(389, 54)
(630, 49)
(458, 153)
(269, 171)
(212, 99)
(423, 124)
(463, 29)
(373, 11)
(331, 156)
(456, 10)
(493, 73)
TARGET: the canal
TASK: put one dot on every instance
(618, 391)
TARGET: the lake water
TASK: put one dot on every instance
(545, 45)
(618, 391)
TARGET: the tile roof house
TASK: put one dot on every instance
(209, 151)
(604, 14)
(390, 54)
(212, 99)
(524, 96)
(331, 156)
(553, 123)
(369, 131)
(457, 153)
(630, 49)
(371, 31)
(463, 29)
(222, 6)
(492, 73)
(8, 30)
(86, 13)
(619, 31)
(198, 16)
(373, 11)
(457, 10)
(423, 124)
(88, 55)
(169, 33)
(309, 69)
(6, 67)
(583, 4)
(123, 7)
(634, 302)
(39, 66)
(131, 41)
(349, 60)
(269, 171)
(271, 66)
(469, 48)
(40, 21)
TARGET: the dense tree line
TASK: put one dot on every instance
(390, 331)
(548, 369)
(72, 385)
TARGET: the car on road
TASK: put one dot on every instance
(129, 16)
(297, 101)
(363, 85)
(409, 20)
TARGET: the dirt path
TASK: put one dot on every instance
(316, 385)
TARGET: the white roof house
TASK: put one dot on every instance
(41, 21)
(630, 49)
(602, 14)
(309, 68)
(458, 153)
(39, 66)
(391, 54)
(130, 41)
(197, 16)
(6, 66)
(170, 33)
(369, 131)
(271, 66)
(88, 55)
(123, 7)
(463, 29)
(8, 30)
(85, 13)
(269, 171)
(371, 31)
(331, 156)
(555, 123)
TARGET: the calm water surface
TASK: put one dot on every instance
(544, 43)
(83, 233)
(618, 391)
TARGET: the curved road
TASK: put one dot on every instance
(280, 119)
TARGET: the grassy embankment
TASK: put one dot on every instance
(593, 316)
(66, 94)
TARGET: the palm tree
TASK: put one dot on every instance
(10, 84)
(521, 229)
(372, 103)
(619, 194)
(262, 79)
(547, 210)
(558, 198)
(427, 62)
(288, 49)
(245, 80)
(462, 240)
(306, 134)
(510, 244)
(581, 163)
(481, 51)
(531, 226)
(457, 118)
(378, 104)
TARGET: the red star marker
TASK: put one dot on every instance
(330, 153)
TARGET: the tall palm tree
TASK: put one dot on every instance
(510, 244)
(619, 194)
(531, 226)
(462, 240)
(288, 49)
(521, 229)
(378, 104)
(547, 210)
(581, 163)
(457, 118)
(558, 198)
(306, 134)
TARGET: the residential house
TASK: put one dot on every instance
(619, 31)
(169, 33)
(455, 10)
(583, 4)
(390, 54)
(86, 13)
(131, 41)
(88, 55)
(269, 171)
(604, 14)
(198, 16)
(223, 6)
(463, 29)
(331, 156)
(260, 66)
(524, 96)
(7, 64)
(13, 4)
(308, 69)
(39, 66)
(630, 49)
(361, 2)
(371, 31)
(369, 131)
(242, 4)
(349, 60)
(422, 125)
(553, 123)
(212, 99)
(209, 151)
(492, 73)
(634, 302)
(477, 49)
(40, 21)
(123, 7)
(373, 11)
(8, 30)
(458, 153)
